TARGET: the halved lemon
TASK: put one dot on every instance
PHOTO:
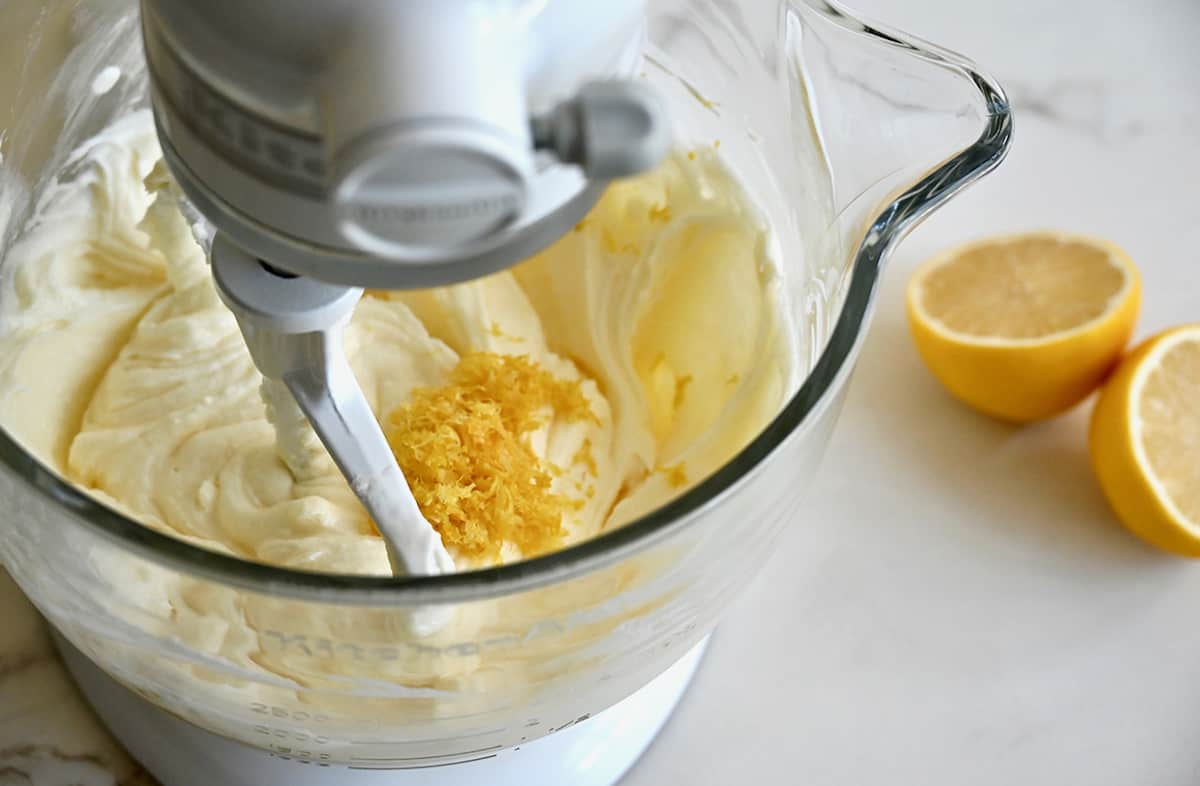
(1024, 327)
(1145, 441)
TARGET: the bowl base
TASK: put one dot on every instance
(596, 752)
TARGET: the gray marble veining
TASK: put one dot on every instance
(48, 736)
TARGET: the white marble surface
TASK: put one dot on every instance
(48, 736)
(977, 617)
(958, 605)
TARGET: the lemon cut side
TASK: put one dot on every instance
(1024, 327)
(1144, 441)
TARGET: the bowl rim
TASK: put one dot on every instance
(884, 232)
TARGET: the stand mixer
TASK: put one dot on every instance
(408, 144)
(387, 144)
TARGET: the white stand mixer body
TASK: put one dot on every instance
(596, 751)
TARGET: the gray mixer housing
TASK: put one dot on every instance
(398, 143)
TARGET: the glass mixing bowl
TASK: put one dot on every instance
(846, 134)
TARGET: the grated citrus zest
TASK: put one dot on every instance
(585, 457)
(465, 451)
(495, 331)
(660, 214)
(676, 476)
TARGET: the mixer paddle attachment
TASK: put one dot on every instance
(293, 327)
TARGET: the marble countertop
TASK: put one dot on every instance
(979, 617)
(48, 735)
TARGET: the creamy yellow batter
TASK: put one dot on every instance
(123, 370)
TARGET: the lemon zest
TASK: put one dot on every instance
(464, 448)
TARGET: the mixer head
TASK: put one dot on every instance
(398, 143)
(394, 144)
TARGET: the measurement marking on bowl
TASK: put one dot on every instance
(486, 733)
(425, 766)
(426, 758)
